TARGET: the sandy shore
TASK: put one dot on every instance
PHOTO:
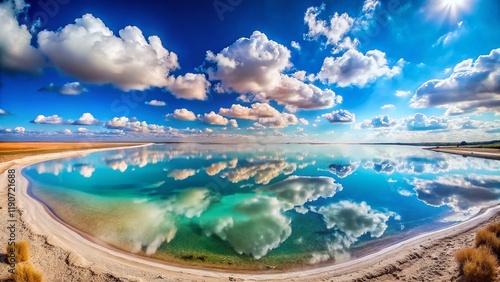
(63, 255)
(485, 153)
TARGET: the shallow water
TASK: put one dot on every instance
(261, 206)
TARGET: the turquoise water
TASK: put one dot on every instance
(260, 206)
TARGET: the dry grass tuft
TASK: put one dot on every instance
(477, 264)
(489, 236)
(494, 227)
(21, 249)
(26, 273)
(464, 255)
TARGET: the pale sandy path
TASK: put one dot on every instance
(469, 152)
(77, 259)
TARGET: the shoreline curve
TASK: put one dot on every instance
(35, 215)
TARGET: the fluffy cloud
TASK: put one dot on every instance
(349, 221)
(3, 112)
(410, 165)
(381, 121)
(254, 66)
(460, 192)
(343, 170)
(295, 45)
(54, 119)
(370, 6)
(83, 130)
(251, 224)
(233, 123)
(155, 103)
(90, 51)
(451, 36)
(16, 53)
(303, 76)
(181, 174)
(19, 130)
(281, 121)
(183, 114)
(86, 170)
(189, 86)
(355, 68)
(213, 118)
(250, 64)
(71, 88)
(388, 106)
(215, 168)
(368, 11)
(189, 203)
(355, 219)
(467, 123)
(334, 30)
(87, 119)
(297, 94)
(340, 116)
(133, 125)
(51, 167)
(472, 87)
(422, 122)
(298, 190)
(257, 110)
(402, 93)
(262, 173)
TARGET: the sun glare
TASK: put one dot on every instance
(451, 9)
(453, 2)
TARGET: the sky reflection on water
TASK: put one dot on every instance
(305, 203)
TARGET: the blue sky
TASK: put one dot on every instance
(239, 70)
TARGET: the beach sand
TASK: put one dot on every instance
(63, 255)
(486, 153)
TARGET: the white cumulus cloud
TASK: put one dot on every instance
(340, 116)
(16, 53)
(183, 114)
(255, 66)
(334, 30)
(356, 68)
(213, 118)
(53, 119)
(472, 87)
(155, 103)
(89, 51)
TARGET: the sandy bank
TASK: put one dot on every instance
(485, 153)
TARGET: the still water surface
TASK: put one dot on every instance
(261, 206)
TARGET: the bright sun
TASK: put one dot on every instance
(451, 9)
(452, 3)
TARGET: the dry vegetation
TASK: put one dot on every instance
(489, 236)
(21, 249)
(26, 273)
(480, 264)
